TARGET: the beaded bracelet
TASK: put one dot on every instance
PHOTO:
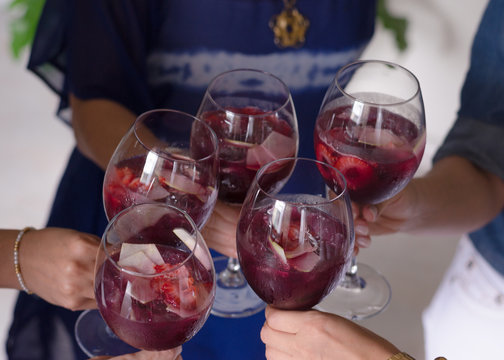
(401, 356)
(17, 268)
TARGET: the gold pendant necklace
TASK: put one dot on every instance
(289, 26)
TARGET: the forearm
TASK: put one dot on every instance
(99, 125)
(455, 197)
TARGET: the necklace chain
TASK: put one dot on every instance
(289, 4)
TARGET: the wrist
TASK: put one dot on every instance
(404, 356)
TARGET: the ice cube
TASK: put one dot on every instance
(149, 250)
(190, 242)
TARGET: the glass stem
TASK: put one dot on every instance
(232, 275)
(352, 271)
(233, 265)
(110, 333)
(352, 280)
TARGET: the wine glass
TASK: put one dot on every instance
(371, 127)
(294, 238)
(154, 282)
(167, 156)
(253, 115)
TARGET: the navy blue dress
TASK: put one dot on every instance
(150, 54)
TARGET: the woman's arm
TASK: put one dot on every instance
(56, 264)
(455, 197)
(98, 126)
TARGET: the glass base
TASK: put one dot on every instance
(234, 298)
(95, 338)
(360, 297)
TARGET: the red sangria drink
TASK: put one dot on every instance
(178, 183)
(155, 281)
(249, 138)
(301, 259)
(377, 160)
(169, 157)
(156, 312)
(253, 115)
(293, 243)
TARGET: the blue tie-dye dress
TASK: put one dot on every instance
(149, 54)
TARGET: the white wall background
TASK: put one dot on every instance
(33, 151)
(34, 146)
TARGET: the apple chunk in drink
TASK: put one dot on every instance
(249, 138)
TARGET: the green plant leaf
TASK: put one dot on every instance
(398, 25)
(22, 26)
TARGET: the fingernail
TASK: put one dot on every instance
(374, 212)
(363, 242)
(362, 229)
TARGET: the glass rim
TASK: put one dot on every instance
(267, 74)
(336, 197)
(165, 155)
(382, 62)
(111, 223)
